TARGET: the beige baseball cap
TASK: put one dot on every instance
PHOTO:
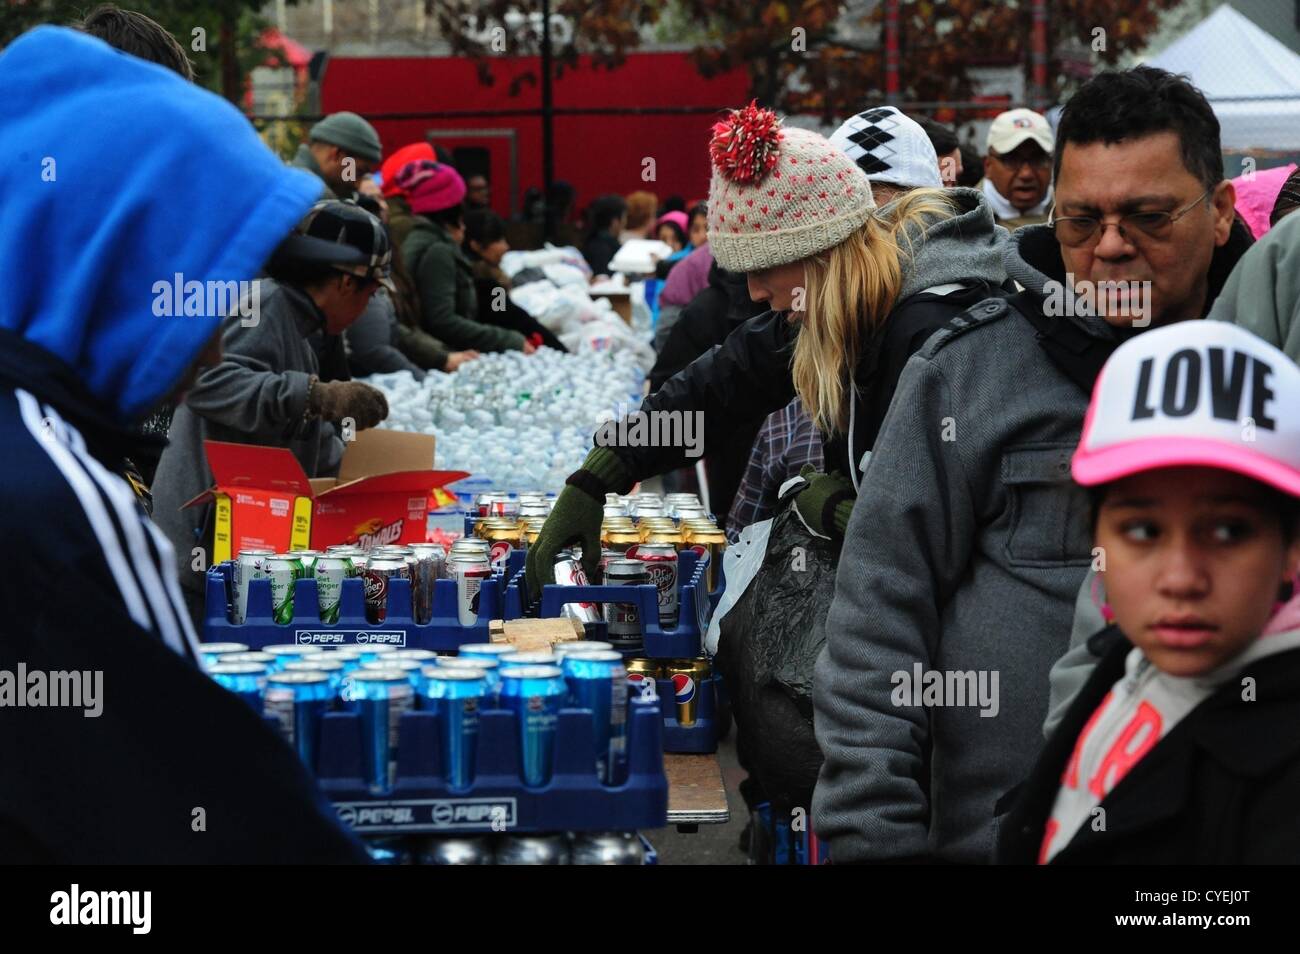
(1015, 126)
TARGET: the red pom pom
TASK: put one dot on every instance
(744, 145)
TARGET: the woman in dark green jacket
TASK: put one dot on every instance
(443, 276)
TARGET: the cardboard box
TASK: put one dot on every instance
(264, 499)
(530, 634)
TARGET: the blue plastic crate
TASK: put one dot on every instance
(443, 632)
(421, 802)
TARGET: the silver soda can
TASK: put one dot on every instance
(282, 572)
(660, 560)
(532, 850)
(607, 848)
(250, 565)
(455, 850)
(431, 560)
(569, 572)
(469, 571)
(624, 619)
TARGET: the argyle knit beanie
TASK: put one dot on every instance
(779, 195)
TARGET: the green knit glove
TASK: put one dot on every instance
(576, 518)
(825, 504)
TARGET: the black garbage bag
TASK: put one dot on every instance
(767, 646)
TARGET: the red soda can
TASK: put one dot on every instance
(374, 580)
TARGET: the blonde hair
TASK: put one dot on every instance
(849, 291)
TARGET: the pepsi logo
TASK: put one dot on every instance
(636, 677)
(536, 703)
(683, 687)
(500, 552)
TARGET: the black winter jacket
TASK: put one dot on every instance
(1220, 788)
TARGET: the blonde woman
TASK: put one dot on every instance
(854, 289)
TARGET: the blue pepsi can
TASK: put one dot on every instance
(425, 657)
(349, 656)
(265, 660)
(535, 694)
(598, 681)
(539, 657)
(246, 680)
(372, 651)
(212, 652)
(490, 669)
(298, 700)
(562, 649)
(485, 650)
(409, 666)
(457, 696)
(288, 652)
(320, 663)
(379, 696)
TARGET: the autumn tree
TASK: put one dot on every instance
(810, 56)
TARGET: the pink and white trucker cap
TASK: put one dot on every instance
(1194, 394)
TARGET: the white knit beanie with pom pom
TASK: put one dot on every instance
(779, 195)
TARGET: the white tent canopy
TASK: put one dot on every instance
(1251, 80)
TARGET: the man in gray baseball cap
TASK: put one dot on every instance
(340, 150)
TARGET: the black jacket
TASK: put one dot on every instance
(94, 589)
(1220, 788)
(748, 377)
(599, 250)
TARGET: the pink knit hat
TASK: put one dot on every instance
(678, 219)
(779, 195)
(430, 186)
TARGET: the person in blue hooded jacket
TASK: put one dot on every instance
(119, 178)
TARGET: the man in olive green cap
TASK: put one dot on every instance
(340, 150)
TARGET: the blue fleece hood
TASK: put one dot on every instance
(117, 175)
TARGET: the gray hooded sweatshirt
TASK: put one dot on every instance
(961, 561)
(256, 395)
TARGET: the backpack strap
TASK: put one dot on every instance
(1077, 354)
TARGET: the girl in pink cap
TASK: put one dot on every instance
(1182, 746)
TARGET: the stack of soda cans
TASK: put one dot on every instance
(569, 848)
(420, 563)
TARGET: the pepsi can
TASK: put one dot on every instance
(379, 696)
(265, 660)
(485, 650)
(598, 681)
(349, 656)
(687, 676)
(456, 695)
(564, 648)
(607, 848)
(246, 680)
(212, 652)
(490, 668)
(288, 652)
(388, 850)
(425, 657)
(533, 657)
(372, 651)
(333, 668)
(456, 850)
(298, 700)
(532, 850)
(411, 667)
(535, 694)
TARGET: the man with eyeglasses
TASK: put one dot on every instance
(1018, 168)
(968, 542)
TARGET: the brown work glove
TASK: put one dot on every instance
(335, 400)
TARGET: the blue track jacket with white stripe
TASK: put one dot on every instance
(114, 745)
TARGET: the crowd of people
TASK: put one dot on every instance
(1032, 404)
